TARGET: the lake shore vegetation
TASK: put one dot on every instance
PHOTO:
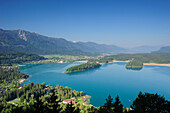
(134, 65)
(82, 67)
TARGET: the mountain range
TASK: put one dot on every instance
(165, 49)
(32, 42)
(144, 49)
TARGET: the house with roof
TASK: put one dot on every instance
(68, 101)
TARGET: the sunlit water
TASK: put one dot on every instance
(111, 78)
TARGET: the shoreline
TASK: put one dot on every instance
(155, 64)
(145, 64)
(85, 61)
(22, 80)
(119, 61)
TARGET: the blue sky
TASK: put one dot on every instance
(126, 23)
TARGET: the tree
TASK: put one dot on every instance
(108, 103)
(70, 108)
(107, 108)
(53, 104)
(2, 106)
(81, 93)
(149, 103)
(118, 107)
(38, 105)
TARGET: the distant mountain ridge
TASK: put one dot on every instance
(165, 49)
(144, 49)
(25, 41)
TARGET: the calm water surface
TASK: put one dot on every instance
(110, 78)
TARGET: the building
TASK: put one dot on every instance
(68, 101)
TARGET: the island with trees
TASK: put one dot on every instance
(82, 67)
(134, 65)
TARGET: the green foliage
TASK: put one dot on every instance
(25, 92)
(18, 58)
(144, 58)
(109, 103)
(144, 103)
(104, 60)
(82, 67)
(112, 107)
(70, 109)
(53, 105)
(134, 65)
(9, 80)
(8, 75)
(118, 107)
(150, 103)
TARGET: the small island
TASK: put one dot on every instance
(134, 65)
(82, 67)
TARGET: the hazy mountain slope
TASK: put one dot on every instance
(103, 48)
(24, 41)
(165, 49)
(144, 49)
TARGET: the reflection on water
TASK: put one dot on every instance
(160, 69)
(120, 63)
(108, 64)
(134, 68)
(27, 66)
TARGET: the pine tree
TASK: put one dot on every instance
(38, 105)
(53, 104)
(108, 103)
(70, 108)
(118, 107)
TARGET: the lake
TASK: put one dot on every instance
(112, 78)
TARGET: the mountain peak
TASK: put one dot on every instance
(21, 34)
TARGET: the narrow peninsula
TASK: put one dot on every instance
(82, 67)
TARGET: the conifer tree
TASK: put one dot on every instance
(118, 107)
(53, 105)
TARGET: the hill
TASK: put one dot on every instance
(144, 49)
(161, 58)
(7, 59)
(165, 49)
(31, 42)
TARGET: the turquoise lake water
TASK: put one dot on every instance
(112, 78)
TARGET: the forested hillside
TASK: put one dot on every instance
(7, 59)
(24, 41)
(144, 58)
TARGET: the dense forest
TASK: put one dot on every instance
(144, 58)
(82, 67)
(9, 79)
(7, 59)
(134, 65)
(53, 103)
